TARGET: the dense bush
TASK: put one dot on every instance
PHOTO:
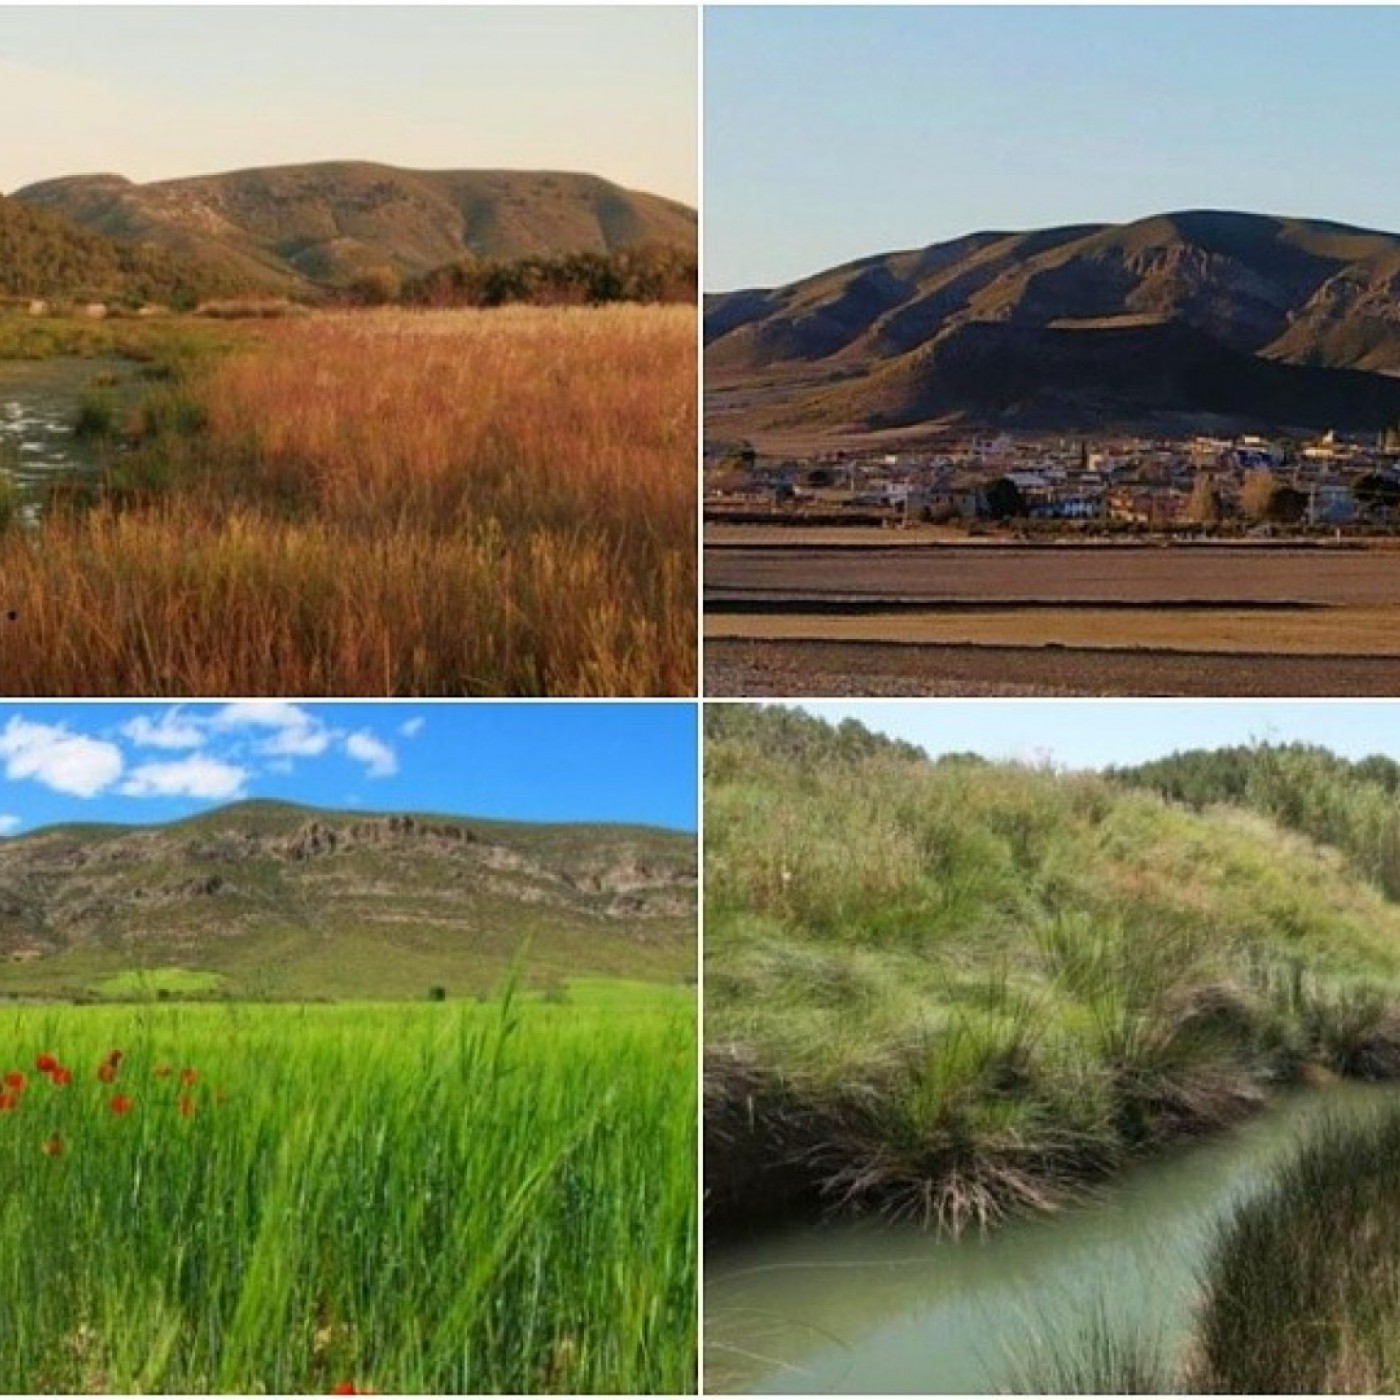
(651, 273)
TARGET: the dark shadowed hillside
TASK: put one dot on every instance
(274, 899)
(1243, 316)
(290, 227)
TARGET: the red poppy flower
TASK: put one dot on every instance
(186, 1106)
(188, 1076)
(15, 1080)
(53, 1147)
(349, 1388)
(107, 1073)
(61, 1076)
(121, 1104)
(46, 1064)
(8, 1103)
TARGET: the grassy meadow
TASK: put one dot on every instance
(948, 991)
(374, 503)
(434, 1198)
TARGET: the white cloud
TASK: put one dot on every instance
(53, 755)
(196, 776)
(379, 759)
(292, 732)
(172, 729)
(9, 823)
(412, 728)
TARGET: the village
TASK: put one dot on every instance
(1249, 482)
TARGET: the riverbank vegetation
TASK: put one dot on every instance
(948, 991)
(158, 347)
(362, 503)
(441, 1199)
(1299, 1292)
(1302, 1291)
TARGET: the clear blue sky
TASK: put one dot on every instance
(556, 761)
(836, 132)
(1102, 733)
(159, 91)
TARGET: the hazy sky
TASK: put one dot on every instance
(157, 92)
(835, 132)
(562, 761)
(1103, 733)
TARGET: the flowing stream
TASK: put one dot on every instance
(853, 1308)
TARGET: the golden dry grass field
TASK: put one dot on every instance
(383, 503)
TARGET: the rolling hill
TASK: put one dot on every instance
(43, 255)
(291, 228)
(1246, 318)
(272, 899)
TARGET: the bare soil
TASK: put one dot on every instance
(827, 668)
(861, 617)
(1080, 574)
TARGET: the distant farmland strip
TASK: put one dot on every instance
(815, 604)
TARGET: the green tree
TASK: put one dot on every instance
(1004, 500)
(1378, 493)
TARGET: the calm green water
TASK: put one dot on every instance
(39, 402)
(866, 1308)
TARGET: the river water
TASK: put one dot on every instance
(852, 1308)
(39, 403)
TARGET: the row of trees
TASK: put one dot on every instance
(1262, 498)
(649, 273)
(801, 740)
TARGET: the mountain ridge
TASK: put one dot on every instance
(1312, 295)
(296, 227)
(277, 807)
(300, 900)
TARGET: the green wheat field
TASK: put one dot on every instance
(441, 1198)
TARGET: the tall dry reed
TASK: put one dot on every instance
(451, 503)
